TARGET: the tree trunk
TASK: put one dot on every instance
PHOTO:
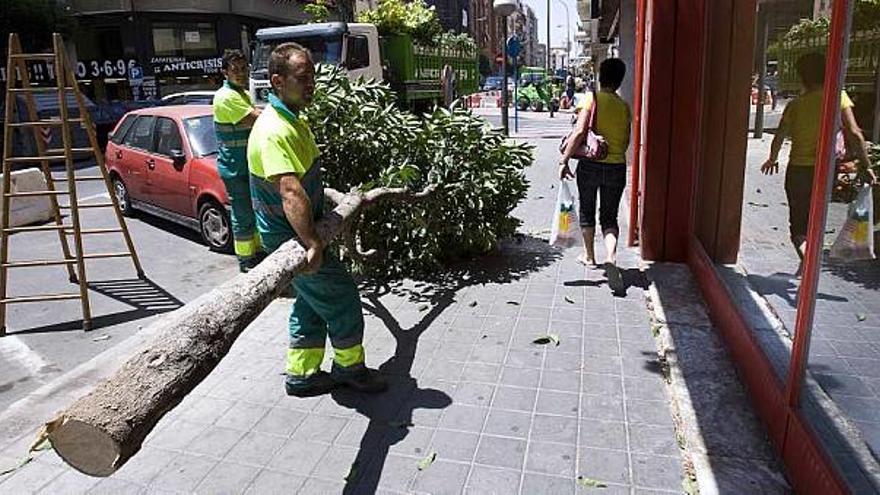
(99, 432)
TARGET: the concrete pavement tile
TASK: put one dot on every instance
(492, 353)
(563, 381)
(228, 477)
(596, 316)
(639, 333)
(319, 428)
(522, 358)
(536, 288)
(178, 435)
(569, 362)
(602, 434)
(314, 486)
(602, 407)
(275, 483)
(648, 412)
(264, 393)
(215, 442)
(411, 441)
(455, 445)
(852, 349)
(443, 369)
(298, 457)
(520, 377)
(467, 322)
(516, 399)
(474, 394)
(539, 313)
(539, 484)
(642, 367)
(353, 432)
(657, 472)
(599, 330)
(508, 423)
(567, 328)
(538, 300)
(279, 421)
(183, 473)
(297, 403)
(860, 409)
(599, 384)
(651, 439)
(463, 418)
(633, 318)
(255, 448)
(206, 410)
(442, 477)
(572, 314)
(453, 351)
(873, 384)
(561, 403)
(554, 429)
(487, 480)
(397, 472)
(71, 482)
(501, 452)
(638, 350)
(822, 347)
(552, 459)
(645, 388)
(332, 407)
(499, 325)
(844, 385)
(481, 372)
(114, 486)
(501, 308)
(336, 463)
(601, 347)
(145, 465)
(604, 465)
(861, 367)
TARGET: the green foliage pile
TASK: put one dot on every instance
(317, 10)
(366, 142)
(461, 42)
(866, 17)
(415, 18)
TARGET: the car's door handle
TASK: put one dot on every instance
(118, 154)
(151, 164)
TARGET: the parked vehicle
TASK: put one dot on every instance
(162, 161)
(413, 71)
(189, 98)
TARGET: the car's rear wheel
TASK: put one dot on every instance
(215, 227)
(122, 196)
(523, 103)
(537, 105)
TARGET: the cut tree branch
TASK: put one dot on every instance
(99, 432)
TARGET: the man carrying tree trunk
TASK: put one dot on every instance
(234, 115)
(288, 197)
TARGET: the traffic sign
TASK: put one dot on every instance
(513, 46)
(135, 75)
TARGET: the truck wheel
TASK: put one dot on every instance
(538, 106)
(523, 103)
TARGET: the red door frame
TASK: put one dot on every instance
(663, 219)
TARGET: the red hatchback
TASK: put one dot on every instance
(163, 161)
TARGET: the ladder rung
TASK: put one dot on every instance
(36, 159)
(105, 255)
(35, 193)
(35, 56)
(92, 231)
(36, 228)
(38, 298)
(79, 178)
(43, 122)
(40, 89)
(88, 205)
(72, 150)
(23, 264)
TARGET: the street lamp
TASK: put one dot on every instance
(504, 8)
(567, 27)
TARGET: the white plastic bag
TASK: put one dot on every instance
(565, 231)
(856, 238)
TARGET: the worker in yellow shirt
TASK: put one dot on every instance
(288, 197)
(606, 176)
(234, 115)
(801, 122)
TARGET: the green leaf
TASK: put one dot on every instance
(590, 482)
(513, 303)
(423, 307)
(24, 462)
(547, 339)
(426, 461)
(569, 300)
(862, 316)
(655, 329)
(473, 304)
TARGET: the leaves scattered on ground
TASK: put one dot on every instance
(655, 329)
(590, 482)
(423, 307)
(759, 205)
(513, 303)
(861, 316)
(473, 304)
(546, 339)
(426, 461)
(689, 484)
(102, 337)
(569, 300)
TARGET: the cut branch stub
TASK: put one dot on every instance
(99, 432)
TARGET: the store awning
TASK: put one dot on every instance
(608, 22)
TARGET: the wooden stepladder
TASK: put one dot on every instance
(74, 260)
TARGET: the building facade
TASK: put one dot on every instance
(453, 14)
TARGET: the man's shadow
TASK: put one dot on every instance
(391, 414)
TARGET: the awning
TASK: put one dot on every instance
(608, 21)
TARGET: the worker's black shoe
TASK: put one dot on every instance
(319, 383)
(363, 380)
(247, 264)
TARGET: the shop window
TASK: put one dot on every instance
(184, 39)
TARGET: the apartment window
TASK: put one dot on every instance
(184, 39)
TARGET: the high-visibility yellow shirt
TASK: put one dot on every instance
(613, 123)
(231, 104)
(801, 122)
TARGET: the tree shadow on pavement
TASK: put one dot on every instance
(784, 286)
(143, 295)
(391, 414)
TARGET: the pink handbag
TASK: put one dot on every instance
(594, 146)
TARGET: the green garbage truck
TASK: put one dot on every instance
(418, 74)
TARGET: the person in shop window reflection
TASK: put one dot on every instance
(801, 122)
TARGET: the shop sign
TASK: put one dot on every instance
(39, 72)
(183, 66)
(104, 69)
(192, 36)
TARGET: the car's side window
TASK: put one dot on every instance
(167, 137)
(358, 55)
(141, 133)
(123, 129)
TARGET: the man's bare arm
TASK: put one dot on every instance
(249, 119)
(298, 209)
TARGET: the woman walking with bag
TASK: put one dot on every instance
(599, 142)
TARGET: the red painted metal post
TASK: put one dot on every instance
(834, 65)
(634, 216)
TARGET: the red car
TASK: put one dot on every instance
(163, 161)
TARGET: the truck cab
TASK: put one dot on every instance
(354, 47)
